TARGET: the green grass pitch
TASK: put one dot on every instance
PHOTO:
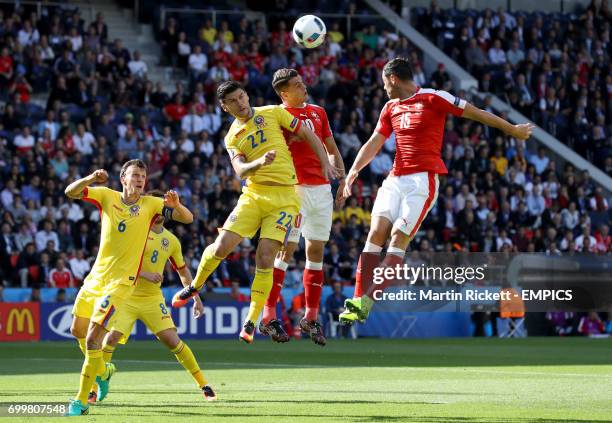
(367, 380)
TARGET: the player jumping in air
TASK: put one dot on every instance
(417, 117)
(148, 305)
(259, 153)
(315, 218)
(125, 218)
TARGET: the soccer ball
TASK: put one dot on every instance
(309, 31)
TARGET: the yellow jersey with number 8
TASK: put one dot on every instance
(160, 247)
(263, 133)
(123, 237)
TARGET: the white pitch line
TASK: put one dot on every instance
(517, 372)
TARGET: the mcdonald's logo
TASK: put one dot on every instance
(19, 321)
(18, 317)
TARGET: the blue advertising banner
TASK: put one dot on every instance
(222, 320)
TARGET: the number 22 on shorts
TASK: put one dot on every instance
(285, 219)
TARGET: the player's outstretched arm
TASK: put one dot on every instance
(186, 279)
(180, 213)
(244, 169)
(75, 189)
(313, 141)
(366, 154)
(521, 131)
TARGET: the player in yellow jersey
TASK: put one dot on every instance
(268, 203)
(148, 305)
(125, 221)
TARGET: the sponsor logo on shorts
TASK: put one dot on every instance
(166, 317)
(282, 228)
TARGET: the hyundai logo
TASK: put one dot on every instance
(60, 320)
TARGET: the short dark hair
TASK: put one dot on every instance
(281, 79)
(135, 162)
(400, 67)
(226, 88)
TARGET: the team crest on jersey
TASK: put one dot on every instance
(418, 106)
(135, 210)
(259, 121)
(233, 218)
(165, 243)
(314, 115)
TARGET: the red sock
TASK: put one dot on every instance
(391, 260)
(269, 312)
(313, 286)
(365, 272)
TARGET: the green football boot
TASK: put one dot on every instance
(103, 381)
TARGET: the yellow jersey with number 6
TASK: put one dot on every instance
(263, 133)
(161, 247)
(123, 237)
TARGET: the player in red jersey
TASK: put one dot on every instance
(315, 219)
(417, 116)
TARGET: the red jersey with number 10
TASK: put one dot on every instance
(306, 162)
(418, 123)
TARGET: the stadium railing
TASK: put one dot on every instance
(462, 80)
(40, 5)
(214, 13)
(508, 5)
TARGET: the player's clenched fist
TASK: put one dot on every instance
(99, 176)
(268, 158)
(522, 131)
(171, 199)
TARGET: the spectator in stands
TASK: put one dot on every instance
(237, 295)
(591, 325)
(61, 276)
(79, 266)
(334, 303)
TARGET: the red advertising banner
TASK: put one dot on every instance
(19, 322)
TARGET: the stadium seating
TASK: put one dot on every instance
(489, 201)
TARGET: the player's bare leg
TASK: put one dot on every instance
(395, 255)
(313, 286)
(270, 325)
(262, 284)
(380, 231)
(211, 257)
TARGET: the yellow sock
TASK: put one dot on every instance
(208, 264)
(82, 345)
(262, 284)
(93, 358)
(107, 353)
(184, 356)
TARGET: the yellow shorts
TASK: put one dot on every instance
(271, 208)
(107, 307)
(152, 310)
(84, 304)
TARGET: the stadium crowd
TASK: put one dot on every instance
(102, 110)
(554, 68)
